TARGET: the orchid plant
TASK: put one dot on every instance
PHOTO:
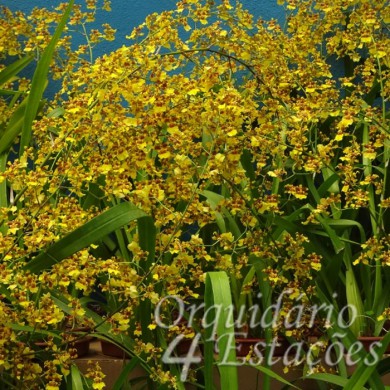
(211, 142)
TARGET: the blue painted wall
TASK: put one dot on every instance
(127, 14)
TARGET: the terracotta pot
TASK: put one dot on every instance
(249, 377)
(81, 345)
(184, 345)
(367, 341)
(111, 349)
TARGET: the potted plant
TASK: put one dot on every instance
(40, 296)
(238, 149)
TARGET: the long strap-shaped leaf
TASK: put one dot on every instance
(260, 264)
(333, 379)
(14, 68)
(3, 184)
(38, 84)
(218, 305)
(15, 125)
(122, 382)
(271, 374)
(76, 378)
(90, 232)
(363, 373)
(147, 241)
(366, 368)
(103, 330)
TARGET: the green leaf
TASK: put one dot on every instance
(14, 126)
(273, 375)
(260, 264)
(123, 377)
(248, 278)
(82, 237)
(337, 243)
(56, 112)
(5, 92)
(383, 367)
(147, 240)
(330, 378)
(214, 199)
(77, 381)
(94, 195)
(347, 223)
(31, 329)
(247, 164)
(103, 330)
(353, 294)
(328, 185)
(218, 296)
(348, 340)
(313, 189)
(3, 185)
(14, 68)
(364, 371)
(39, 81)
(286, 224)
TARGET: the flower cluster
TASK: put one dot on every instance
(241, 140)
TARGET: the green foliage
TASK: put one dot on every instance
(227, 167)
